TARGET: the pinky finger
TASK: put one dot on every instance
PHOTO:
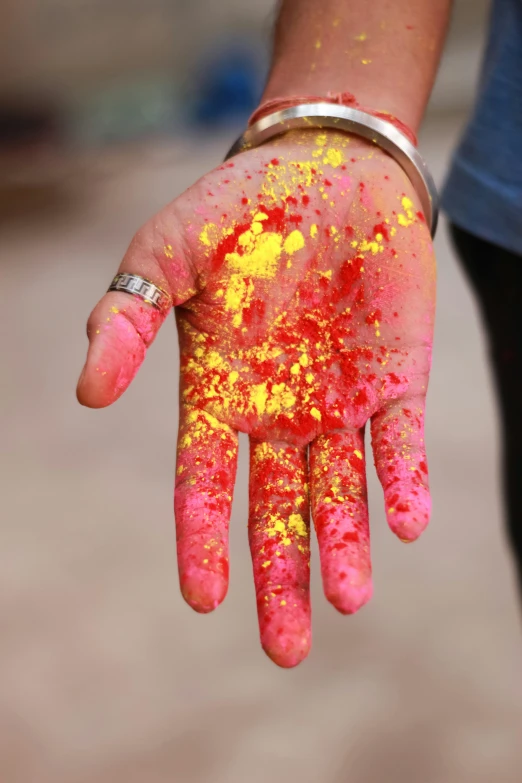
(400, 459)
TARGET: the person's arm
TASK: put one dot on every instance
(384, 52)
(303, 277)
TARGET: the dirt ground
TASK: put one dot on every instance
(106, 676)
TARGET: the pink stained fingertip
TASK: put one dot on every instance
(284, 621)
(347, 589)
(203, 590)
(408, 512)
(115, 355)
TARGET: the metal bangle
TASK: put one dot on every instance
(342, 118)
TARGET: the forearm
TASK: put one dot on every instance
(384, 52)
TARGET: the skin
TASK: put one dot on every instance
(303, 277)
(384, 52)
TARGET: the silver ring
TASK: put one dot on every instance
(143, 289)
(344, 118)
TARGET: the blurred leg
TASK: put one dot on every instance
(496, 277)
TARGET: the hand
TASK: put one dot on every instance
(304, 283)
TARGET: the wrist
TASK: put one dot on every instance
(370, 94)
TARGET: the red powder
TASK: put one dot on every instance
(372, 317)
(381, 228)
(361, 399)
(276, 218)
(351, 536)
(227, 245)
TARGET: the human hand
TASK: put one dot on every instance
(304, 282)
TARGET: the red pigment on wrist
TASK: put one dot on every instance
(340, 98)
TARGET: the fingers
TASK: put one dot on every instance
(205, 476)
(400, 459)
(279, 534)
(340, 514)
(122, 326)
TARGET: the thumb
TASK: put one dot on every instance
(122, 326)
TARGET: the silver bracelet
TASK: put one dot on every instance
(382, 133)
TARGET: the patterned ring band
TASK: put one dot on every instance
(142, 288)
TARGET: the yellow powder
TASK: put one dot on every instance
(304, 168)
(358, 453)
(294, 242)
(261, 254)
(213, 360)
(409, 218)
(373, 247)
(279, 526)
(207, 233)
(316, 414)
(333, 157)
(281, 398)
(258, 397)
(235, 292)
(237, 296)
(313, 230)
(297, 523)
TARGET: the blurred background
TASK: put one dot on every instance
(109, 109)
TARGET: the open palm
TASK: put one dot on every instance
(303, 275)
